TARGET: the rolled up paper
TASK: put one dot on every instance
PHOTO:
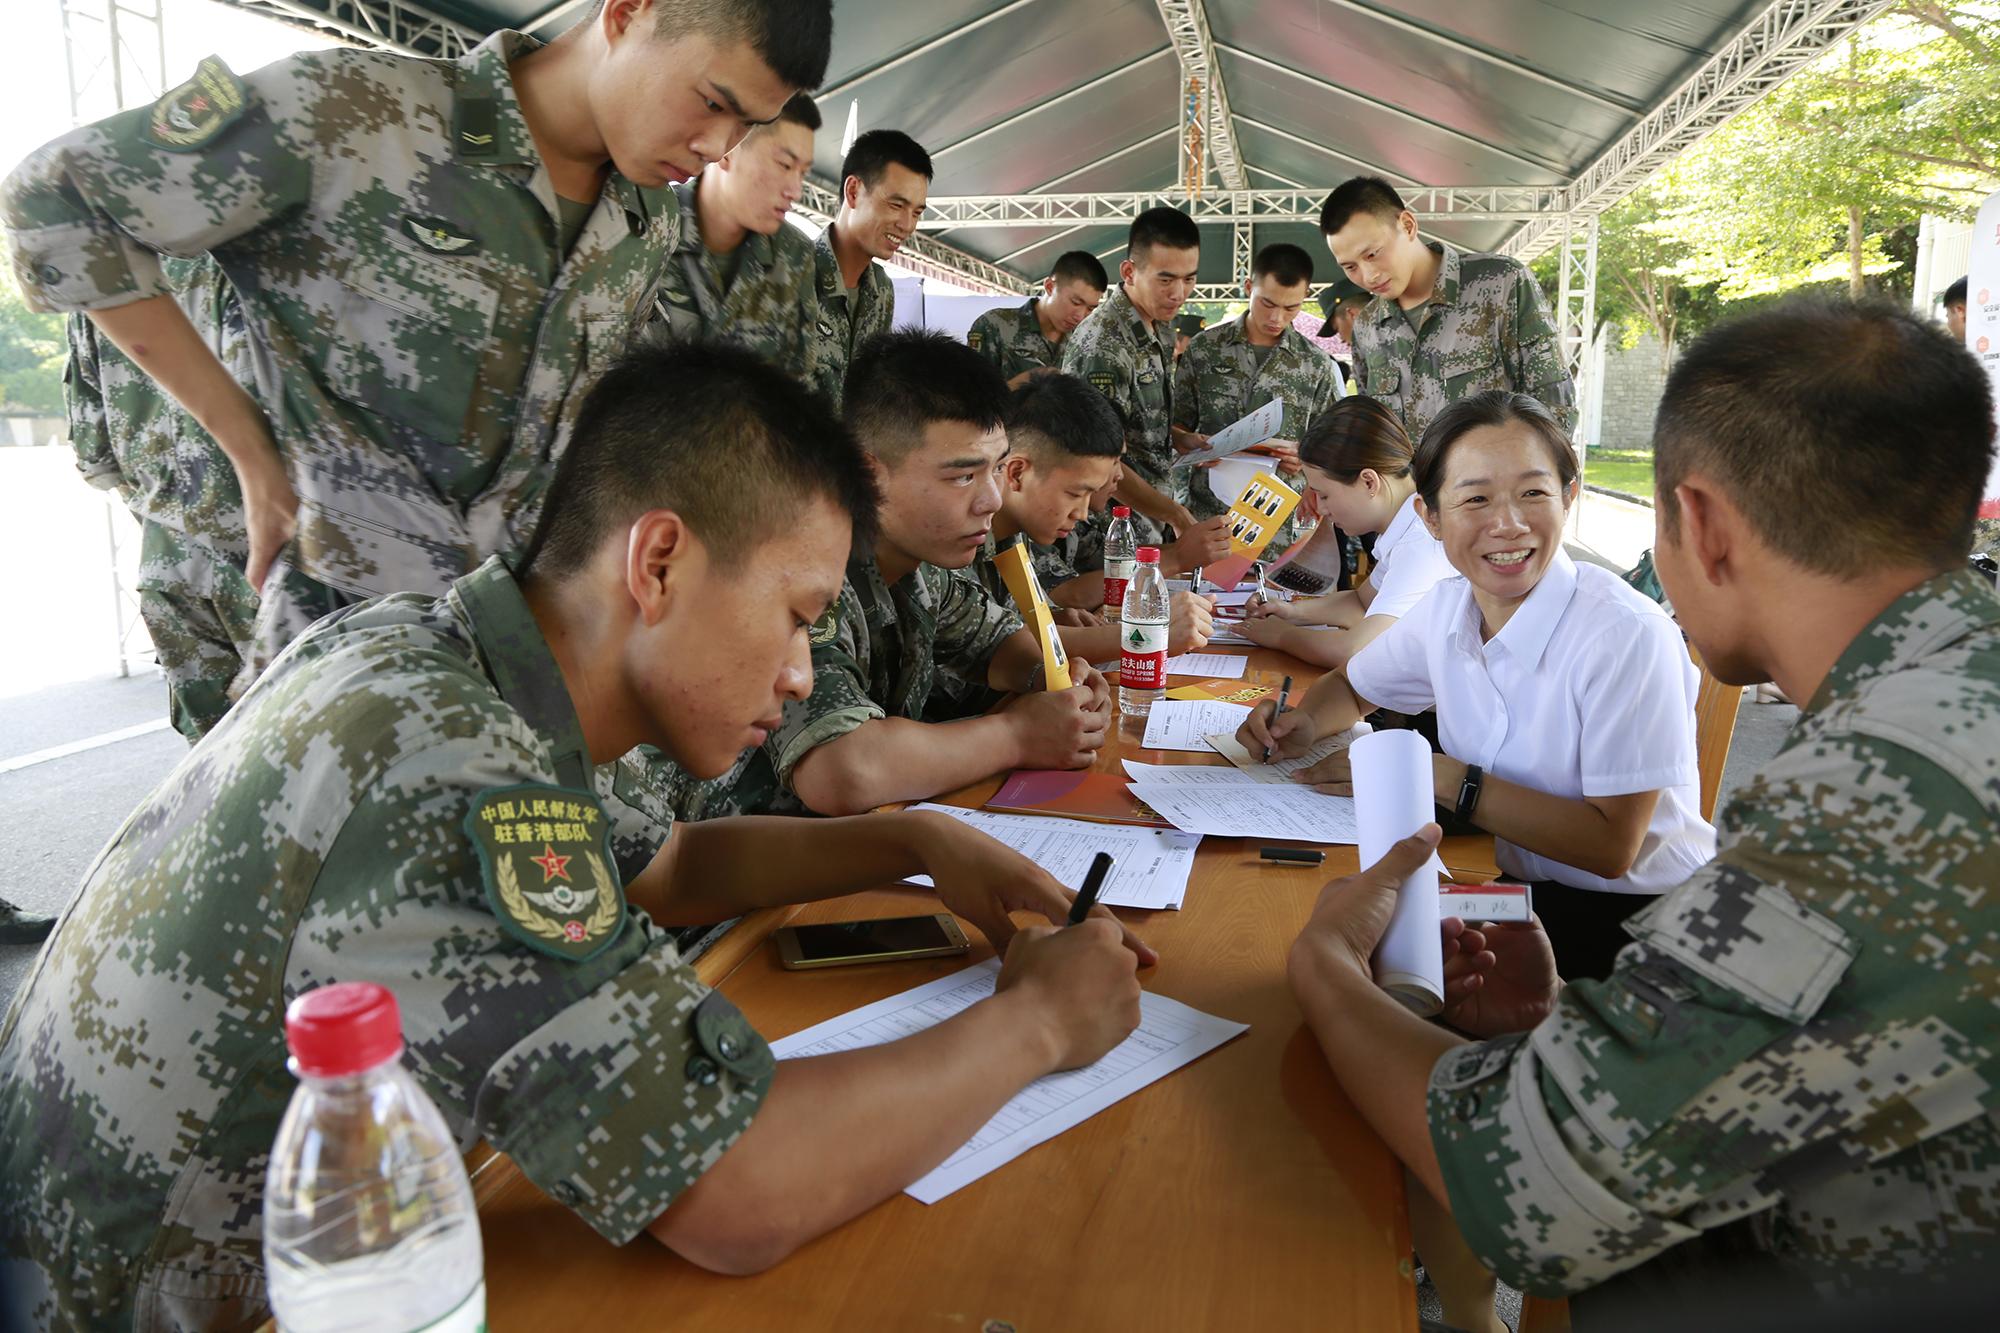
(1392, 800)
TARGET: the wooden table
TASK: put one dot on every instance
(1242, 1192)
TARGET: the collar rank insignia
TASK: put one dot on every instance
(543, 854)
(437, 236)
(827, 626)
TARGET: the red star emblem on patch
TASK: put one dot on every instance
(553, 866)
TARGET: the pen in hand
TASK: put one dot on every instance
(1284, 692)
(1093, 883)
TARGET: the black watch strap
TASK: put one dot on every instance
(1468, 792)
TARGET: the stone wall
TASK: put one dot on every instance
(1633, 382)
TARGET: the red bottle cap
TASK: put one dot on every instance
(1149, 555)
(1120, 511)
(342, 1029)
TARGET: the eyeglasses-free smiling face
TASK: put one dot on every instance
(1500, 514)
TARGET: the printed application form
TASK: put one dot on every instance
(1169, 1036)
(1152, 867)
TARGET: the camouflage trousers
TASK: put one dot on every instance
(291, 602)
(200, 611)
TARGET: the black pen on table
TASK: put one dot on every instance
(1093, 883)
(1284, 692)
(1305, 856)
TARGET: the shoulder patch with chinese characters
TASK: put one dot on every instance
(549, 878)
(974, 338)
(193, 115)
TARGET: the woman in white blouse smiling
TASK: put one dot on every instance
(1565, 700)
(1357, 460)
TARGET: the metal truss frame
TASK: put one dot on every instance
(391, 25)
(925, 255)
(1487, 203)
(1208, 130)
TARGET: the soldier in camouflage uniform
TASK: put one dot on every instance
(1125, 352)
(928, 410)
(1231, 369)
(400, 800)
(426, 297)
(1444, 324)
(885, 179)
(1803, 1033)
(130, 437)
(1021, 340)
(740, 272)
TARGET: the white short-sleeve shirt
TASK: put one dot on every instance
(1409, 562)
(1587, 690)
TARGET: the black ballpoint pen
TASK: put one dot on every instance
(1093, 882)
(1284, 692)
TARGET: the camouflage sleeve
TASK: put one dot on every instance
(1532, 349)
(88, 215)
(984, 339)
(971, 626)
(1111, 375)
(606, 1078)
(83, 400)
(1052, 565)
(1187, 392)
(839, 701)
(1748, 1039)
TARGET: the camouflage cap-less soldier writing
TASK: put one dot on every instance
(741, 273)
(422, 325)
(406, 797)
(1444, 323)
(1802, 1033)
(885, 179)
(1021, 340)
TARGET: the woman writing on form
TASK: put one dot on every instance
(1565, 700)
(1357, 461)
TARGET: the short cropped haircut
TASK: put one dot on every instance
(1850, 435)
(1060, 414)
(716, 434)
(874, 152)
(1289, 264)
(1162, 226)
(1080, 266)
(903, 381)
(1362, 194)
(1494, 407)
(793, 37)
(801, 110)
(1354, 435)
(1954, 294)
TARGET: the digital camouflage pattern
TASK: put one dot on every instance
(768, 304)
(838, 328)
(1486, 326)
(1082, 552)
(953, 695)
(419, 347)
(1806, 1026)
(319, 834)
(1011, 338)
(132, 438)
(1129, 360)
(877, 653)
(1218, 381)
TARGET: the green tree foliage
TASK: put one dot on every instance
(32, 348)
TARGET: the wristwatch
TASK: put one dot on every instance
(1468, 792)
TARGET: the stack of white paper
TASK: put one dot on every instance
(1169, 1036)
(1392, 774)
(1249, 809)
(1186, 724)
(1151, 865)
(1281, 770)
(1216, 666)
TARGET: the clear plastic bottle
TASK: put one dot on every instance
(368, 1216)
(1142, 640)
(1121, 547)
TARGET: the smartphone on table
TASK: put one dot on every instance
(886, 939)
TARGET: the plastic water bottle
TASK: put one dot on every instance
(1142, 638)
(1121, 547)
(368, 1216)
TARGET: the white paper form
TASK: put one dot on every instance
(1281, 770)
(1185, 724)
(1216, 666)
(1253, 810)
(1169, 1036)
(1256, 428)
(1228, 636)
(1150, 870)
(1392, 772)
(1186, 775)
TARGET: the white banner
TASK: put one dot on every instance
(1982, 320)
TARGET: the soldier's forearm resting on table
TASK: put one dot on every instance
(816, 1154)
(157, 335)
(895, 759)
(1381, 1053)
(718, 868)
